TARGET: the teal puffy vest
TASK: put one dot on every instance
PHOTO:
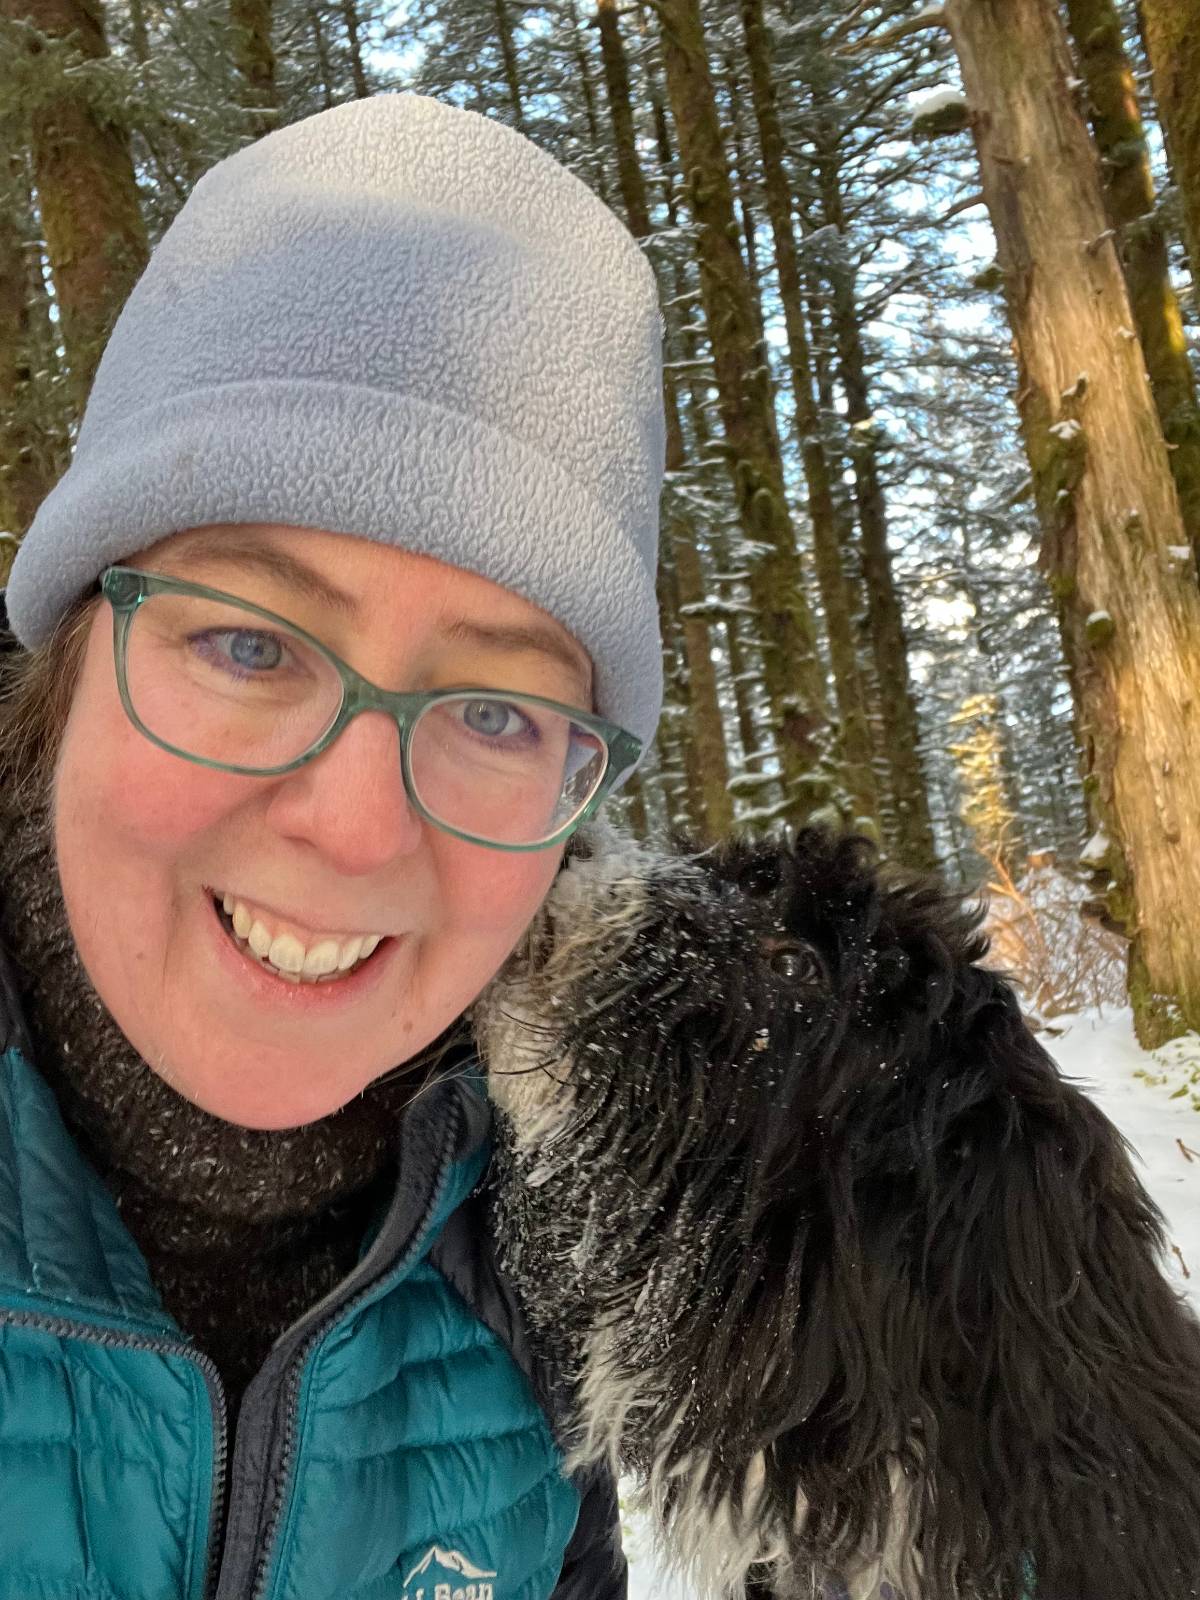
(391, 1448)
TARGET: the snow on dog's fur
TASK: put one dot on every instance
(838, 1264)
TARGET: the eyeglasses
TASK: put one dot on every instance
(229, 685)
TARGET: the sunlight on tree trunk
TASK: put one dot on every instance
(1129, 195)
(1109, 512)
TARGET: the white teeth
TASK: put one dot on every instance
(322, 958)
(286, 953)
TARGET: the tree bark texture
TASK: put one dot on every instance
(86, 191)
(793, 673)
(712, 806)
(254, 58)
(1109, 513)
(1171, 30)
(1129, 196)
(857, 755)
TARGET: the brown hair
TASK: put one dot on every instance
(36, 690)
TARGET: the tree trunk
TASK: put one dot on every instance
(28, 457)
(598, 173)
(321, 51)
(854, 730)
(358, 74)
(508, 54)
(743, 186)
(1109, 513)
(676, 755)
(1129, 195)
(254, 58)
(792, 670)
(87, 194)
(630, 177)
(914, 842)
(712, 805)
(1171, 29)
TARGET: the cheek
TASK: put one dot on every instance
(116, 794)
(489, 897)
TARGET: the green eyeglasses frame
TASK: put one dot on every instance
(127, 588)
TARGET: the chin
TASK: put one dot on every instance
(265, 1107)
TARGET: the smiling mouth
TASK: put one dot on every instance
(300, 978)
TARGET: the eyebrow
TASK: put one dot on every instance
(511, 638)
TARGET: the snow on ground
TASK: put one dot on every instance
(1154, 1098)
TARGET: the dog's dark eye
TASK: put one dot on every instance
(796, 962)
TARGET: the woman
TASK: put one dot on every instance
(376, 442)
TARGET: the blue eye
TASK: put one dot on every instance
(246, 651)
(490, 718)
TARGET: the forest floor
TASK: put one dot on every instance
(1154, 1098)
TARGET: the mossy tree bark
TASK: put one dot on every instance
(1171, 30)
(712, 807)
(1129, 196)
(827, 533)
(254, 58)
(87, 193)
(792, 671)
(1107, 503)
(912, 841)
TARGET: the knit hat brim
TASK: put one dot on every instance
(285, 452)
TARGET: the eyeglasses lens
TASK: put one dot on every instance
(220, 684)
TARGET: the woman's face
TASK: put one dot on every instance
(145, 838)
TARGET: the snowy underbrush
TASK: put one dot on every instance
(1061, 959)
(1175, 1068)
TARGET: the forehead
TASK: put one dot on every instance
(356, 578)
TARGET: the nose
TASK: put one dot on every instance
(349, 802)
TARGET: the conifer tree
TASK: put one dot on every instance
(87, 192)
(793, 674)
(1108, 507)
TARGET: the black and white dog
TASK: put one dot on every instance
(843, 1271)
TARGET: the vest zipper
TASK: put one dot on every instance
(63, 1327)
(295, 1372)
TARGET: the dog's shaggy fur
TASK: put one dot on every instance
(841, 1267)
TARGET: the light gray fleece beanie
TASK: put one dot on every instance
(400, 320)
